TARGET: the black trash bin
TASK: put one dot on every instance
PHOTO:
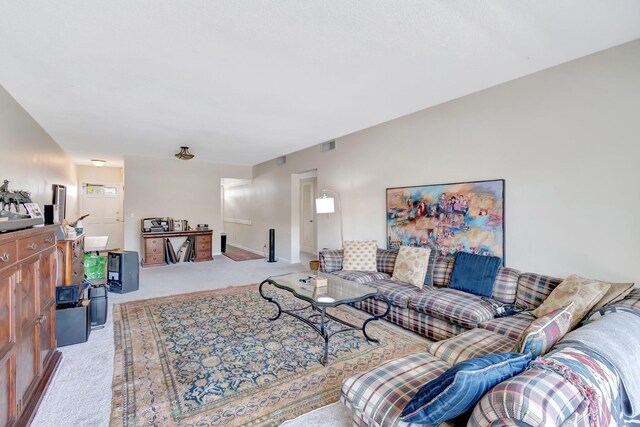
(223, 242)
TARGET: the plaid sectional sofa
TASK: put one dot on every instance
(437, 312)
(568, 386)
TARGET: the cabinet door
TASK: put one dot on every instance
(47, 282)
(7, 347)
(47, 317)
(27, 328)
(7, 312)
(7, 391)
(47, 334)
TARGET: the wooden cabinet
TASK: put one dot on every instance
(153, 246)
(203, 247)
(71, 263)
(153, 250)
(28, 355)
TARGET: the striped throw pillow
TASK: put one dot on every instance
(545, 332)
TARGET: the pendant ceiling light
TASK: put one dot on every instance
(184, 154)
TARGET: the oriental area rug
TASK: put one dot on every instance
(238, 254)
(214, 359)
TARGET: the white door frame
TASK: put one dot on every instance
(313, 248)
(295, 212)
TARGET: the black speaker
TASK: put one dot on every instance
(48, 214)
(98, 305)
(123, 271)
(272, 245)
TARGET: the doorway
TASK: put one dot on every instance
(104, 204)
(308, 233)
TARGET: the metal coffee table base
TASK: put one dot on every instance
(319, 326)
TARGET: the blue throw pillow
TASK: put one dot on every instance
(474, 273)
(428, 278)
(458, 389)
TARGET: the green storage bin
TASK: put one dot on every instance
(95, 267)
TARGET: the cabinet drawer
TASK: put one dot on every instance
(154, 249)
(154, 259)
(206, 254)
(204, 239)
(153, 243)
(48, 239)
(29, 246)
(77, 271)
(204, 246)
(78, 248)
(8, 254)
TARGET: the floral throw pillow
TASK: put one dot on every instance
(411, 265)
(545, 332)
(584, 293)
(360, 255)
(616, 292)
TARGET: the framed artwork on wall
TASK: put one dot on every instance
(462, 216)
(60, 202)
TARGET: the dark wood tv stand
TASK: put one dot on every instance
(153, 246)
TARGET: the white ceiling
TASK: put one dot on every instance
(246, 81)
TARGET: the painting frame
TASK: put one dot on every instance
(449, 217)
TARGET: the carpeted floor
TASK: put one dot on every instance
(80, 394)
(214, 358)
(238, 254)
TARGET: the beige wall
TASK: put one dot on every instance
(31, 159)
(567, 141)
(237, 212)
(174, 188)
(99, 175)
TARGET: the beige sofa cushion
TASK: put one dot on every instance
(360, 255)
(584, 293)
(411, 265)
(617, 292)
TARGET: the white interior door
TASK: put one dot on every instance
(308, 215)
(104, 204)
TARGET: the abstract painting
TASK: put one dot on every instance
(464, 216)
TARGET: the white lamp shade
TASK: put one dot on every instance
(325, 205)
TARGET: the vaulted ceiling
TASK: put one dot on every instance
(246, 81)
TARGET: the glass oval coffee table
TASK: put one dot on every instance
(337, 292)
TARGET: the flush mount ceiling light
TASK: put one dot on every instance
(97, 162)
(184, 154)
